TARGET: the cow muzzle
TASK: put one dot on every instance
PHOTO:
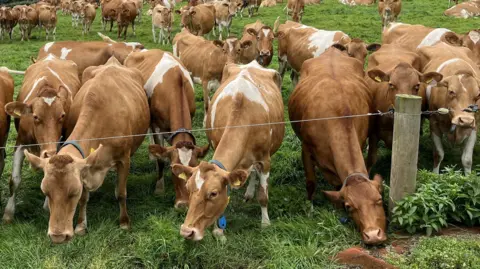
(264, 53)
(60, 238)
(189, 233)
(374, 236)
(464, 121)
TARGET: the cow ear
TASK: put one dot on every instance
(378, 75)
(63, 92)
(246, 44)
(178, 12)
(237, 178)
(91, 183)
(18, 109)
(431, 78)
(280, 34)
(218, 43)
(378, 182)
(335, 197)
(453, 39)
(225, 4)
(252, 31)
(340, 47)
(374, 47)
(193, 12)
(160, 152)
(35, 161)
(182, 171)
(202, 151)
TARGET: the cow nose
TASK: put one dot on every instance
(374, 236)
(60, 238)
(265, 53)
(187, 232)
(466, 121)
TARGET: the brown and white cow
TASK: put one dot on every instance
(66, 7)
(76, 9)
(6, 96)
(357, 2)
(8, 20)
(389, 11)
(87, 15)
(81, 164)
(126, 14)
(205, 59)
(224, 12)
(251, 5)
(109, 12)
(89, 53)
(295, 8)
(249, 95)
(391, 70)
(47, 18)
(464, 10)
(162, 19)
(335, 146)
(199, 19)
(171, 96)
(27, 20)
(299, 43)
(40, 111)
(262, 37)
(458, 90)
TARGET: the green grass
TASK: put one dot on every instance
(294, 240)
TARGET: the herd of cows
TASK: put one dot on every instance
(66, 96)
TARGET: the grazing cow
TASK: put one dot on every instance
(268, 3)
(81, 164)
(89, 53)
(464, 10)
(127, 12)
(299, 43)
(199, 19)
(6, 96)
(109, 12)
(224, 12)
(28, 19)
(357, 2)
(162, 19)
(47, 17)
(262, 37)
(77, 6)
(87, 14)
(389, 11)
(40, 111)
(205, 59)
(8, 20)
(458, 92)
(391, 70)
(335, 146)
(249, 95)
(295, 8)
(172, 105)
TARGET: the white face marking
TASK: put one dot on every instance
(166, 63)
(61, 81)
(266, 32)
(185, 155)
(474, 36)
(230, 44)
(49, 101)
(47, 46)
(35, 83)
(460, 77)
(321, 40)
(433, 37)
(65, 52)
(199, 180)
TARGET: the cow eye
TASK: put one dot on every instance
(348, 207)
(391, 86)
(452, 93)
(212, 195)
(35, 118)
(379, 201)
(62, 116)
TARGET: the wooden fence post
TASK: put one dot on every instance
(406, 135)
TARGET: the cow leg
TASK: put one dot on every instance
(153, 33)
(162, 36)
(119, 31)
(309, 169)
(294, 78)
(133, 28)
(2, 161)
(372, 149)
(47, 33)
(282, 67)
(468, 152)
(262, 194)
(438, 152)
(15, 180)
(206, 95)
(251, 187)
(121, 190)
(218, 233)
(1, 33)
(160, 184)
(111, 25)
(81, 227)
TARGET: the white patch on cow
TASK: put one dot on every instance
(197, 80)
(255, 64)
(433, 37)
(166, 63)
(48, 46)
(271, 132)
(474, 36)
(49, 100)
(185, 155)
(110, 45)
(230, 44)
(61, 81)
(35, 83)
(321, 40)
(144, 50)
(199, 180)
(175, 52)
(50, 57)
(266, 31)
(65, 53)
(131, 44)
(393, 25)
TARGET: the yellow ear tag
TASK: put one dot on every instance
(237, 183)
(92, 150)
(228, 200)
(428, 81)
(183, 176)
(17, 112)
(378, 79)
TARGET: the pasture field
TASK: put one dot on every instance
(296, 238)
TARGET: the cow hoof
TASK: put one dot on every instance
(265, 224)
(159, 190)
(218, 234)
(7, 219)
(125, 226)
(80, 230)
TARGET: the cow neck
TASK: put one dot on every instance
(71, 150)
(84, 133)
(180, 117)
(230, 150)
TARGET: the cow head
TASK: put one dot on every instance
(232, 48)
(26, 14)
(358, 49)
(264, 44)
(187, 14)
(185, 153)
(46, 113)
(387, 9)
(5, 13)
(362, 198)
(207, 186)
(469, 40)
(233, 7)
(163, 14)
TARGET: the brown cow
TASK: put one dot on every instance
(199, 20)
(47, 18)
(126, 14)
(87, 15)
(76, 9)
(66, 7)
(90, 53)
(6, 96)
(81, 164)
(262, 37)
(357, 2)
(162, 19)
(8, 20)
(295, 8)
(268, 3)
(249, 95)
(458, 90)
(172, 106)
(464, 10)
(109, 12)
(28, 19)
(391, 70)
(205, 59)
(224, 12)
(335, 146)
(42, 105)
(251, 5)
(389, 11)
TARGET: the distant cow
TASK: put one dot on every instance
(40, 113)
(171, 97)
(199, 20)
(162, 19)
(251, 5)
(262, 37)
(251, 95)
(335, 146)
(28, 19)
(76, 9)
(268, 3)
(224, 12)
(87, 15)
(47, 18)
(109, 12)
(464, 10)
(357, 2)
(389, 10)
(295, 8)
(126, 14)
(8, 20)
(66, 7)
(6, 96)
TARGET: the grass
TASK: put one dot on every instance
(294, 240)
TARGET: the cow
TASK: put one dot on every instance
(224, 12)
(42, 106)
(199, 19)
(262, 37)
(47, 17)
(249, 95)
(171, 96)
(299, 43)
(126, 14)
(109, 12)
(28, 19)
(391, 70)
(6, 96)
(268, 3)
(335, 146)
(458, 92)
(464, 10)
(8, 20)
(87, 15)
(76, 10)
(312, 2)
(357, 2)
(66, 7)
(139, 6)
(162, 19)
(295, 8)
(389, 11)
(205, 59)
(89, 53)
(81, 164)
(251, 5)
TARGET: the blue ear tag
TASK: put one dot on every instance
(343, 220)
(222, 222)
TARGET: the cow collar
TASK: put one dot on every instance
(222, 221)
(73, 143)
(352, 175)
(182, 131)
